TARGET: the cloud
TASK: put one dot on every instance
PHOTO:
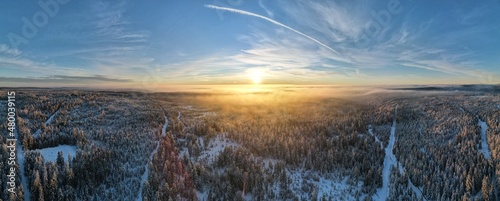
(64, 79)
(278, 56)
(331, 20)
(272, 21)
(269, 12)
(5, 49)
(24, 64)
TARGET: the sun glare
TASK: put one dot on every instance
(256, 79)
(255, 76)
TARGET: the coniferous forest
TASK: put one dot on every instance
(400, 144)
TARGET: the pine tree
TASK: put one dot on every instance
(37, 188)
(469, 184)
(60, 160)
(53, 187)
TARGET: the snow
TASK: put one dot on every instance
(484, 141)
(268, 161)
(422, 149)
(325, 185)
(215, 146)
(20, 159)
(201, 142)
(416, 190)
(50, 154)
(183, 151)
(144, 176)
(370, 130)
(164, 128)
(201, 196)
(205, 114)
(209, 153)
(46, 123)
(389, 161)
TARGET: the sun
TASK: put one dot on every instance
(255, 75)
(256, 79)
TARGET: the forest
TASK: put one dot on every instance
(278, 145)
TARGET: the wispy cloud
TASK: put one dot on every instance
(64, 79)
(331, 20)
(5, 49)
(272, 21)
(404, 45)
(269, 12)
(291, 40)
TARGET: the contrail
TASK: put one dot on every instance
(270, 20)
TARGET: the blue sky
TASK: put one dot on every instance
(135, 44)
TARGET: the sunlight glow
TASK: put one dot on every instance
(256, 79)
(255, 75)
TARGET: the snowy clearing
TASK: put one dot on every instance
(325, 185)
(215, 146)
(484, 141)
(389, 161)
(50, 154)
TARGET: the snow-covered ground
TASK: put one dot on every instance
(416, 190)
(144, 176)
(164, 128)
(370, 130)
(422, 148)
(50, 154)
(215, 146)
(484, 141)
(389, 161)
(325, 185)
(20, 159)
(209, 153)
(46, 123)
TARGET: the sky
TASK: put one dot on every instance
(152, 44)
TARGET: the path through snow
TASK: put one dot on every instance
(484, 141)
(416, 190)
(370, 130)
(389, 161)
(46, 123)
(144, 176)
(20, 159)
